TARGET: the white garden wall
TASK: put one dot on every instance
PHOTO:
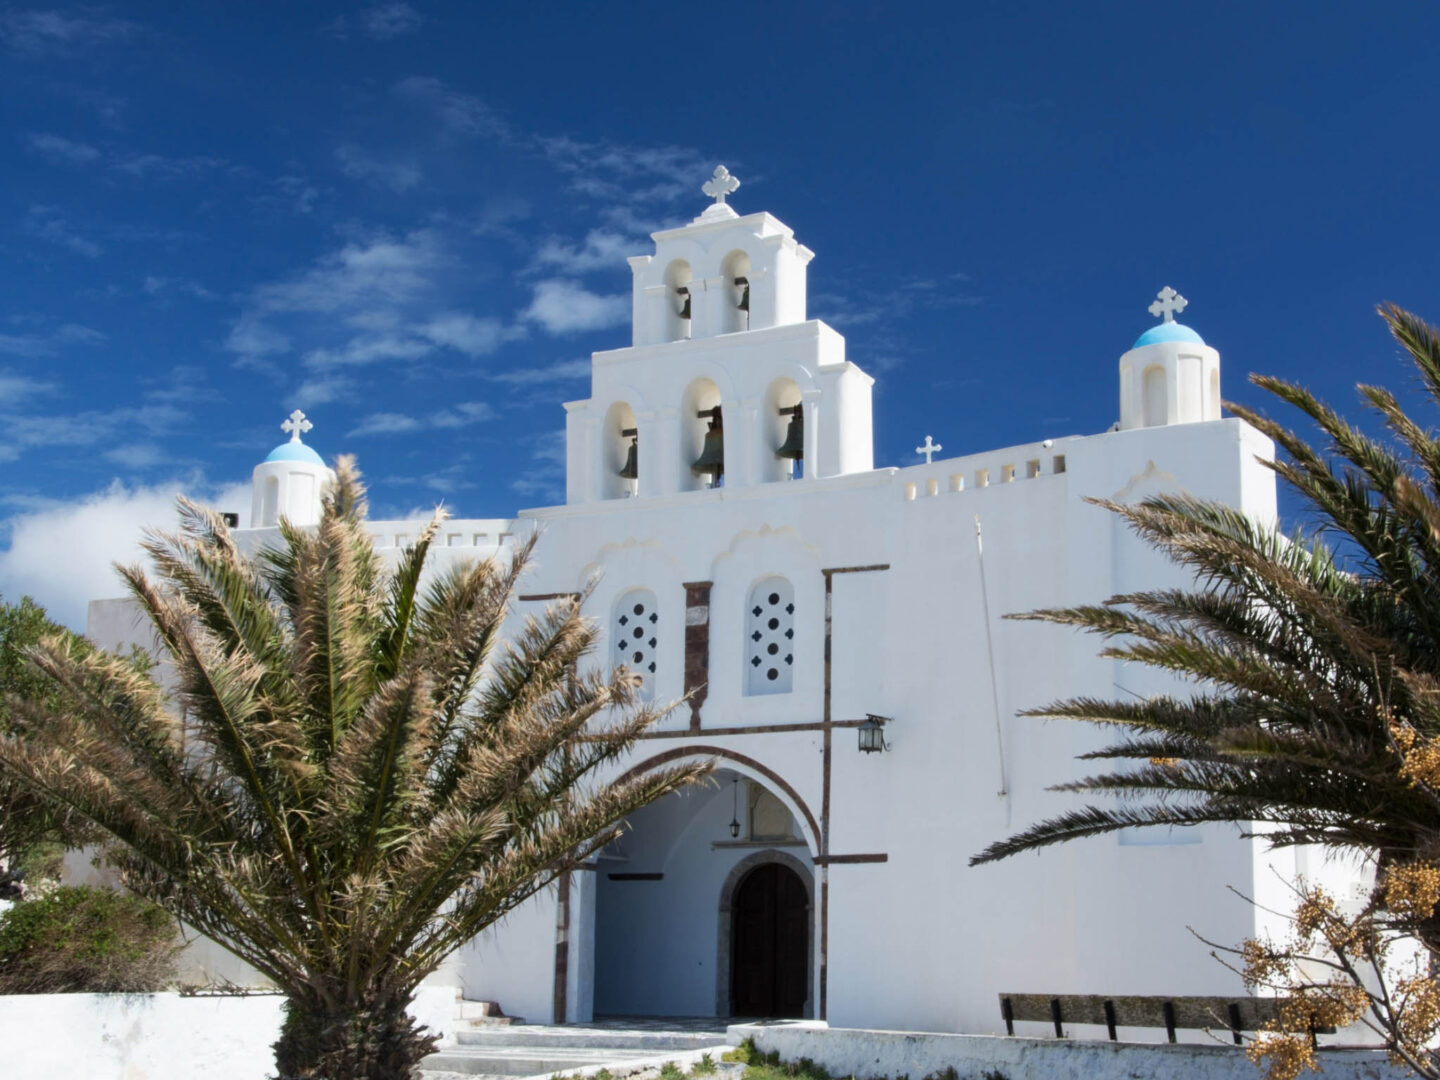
(871, 1054)
(158, 1036)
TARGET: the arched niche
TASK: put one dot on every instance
(700, 396)
(615, 449)
(736, 294)
(1212, 403)
(270, 507)
(782, 393)
(1154, 391)
(677, 300)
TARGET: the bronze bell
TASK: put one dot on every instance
(711, 461)
(682, 295)
(742, 285)
(631, 469)
(793, 448)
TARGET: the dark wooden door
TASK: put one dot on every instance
(769, 936)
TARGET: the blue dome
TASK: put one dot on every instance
(1168, 331)
(295, 450)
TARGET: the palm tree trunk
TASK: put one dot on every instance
(375, 1039)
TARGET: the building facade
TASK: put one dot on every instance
(743, 553)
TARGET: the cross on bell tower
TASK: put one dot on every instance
(721, 184)
(296, 425)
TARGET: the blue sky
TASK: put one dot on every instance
(411, 219)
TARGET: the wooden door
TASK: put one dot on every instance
(769, 939)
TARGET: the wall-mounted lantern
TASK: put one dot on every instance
(872, 734)
(735, 809)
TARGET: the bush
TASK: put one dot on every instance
(82, 940)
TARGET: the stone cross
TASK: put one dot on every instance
(720, 185)
(1168, 304)
(296, 425)
(930, 449)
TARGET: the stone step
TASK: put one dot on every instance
(525, 1060)
(545, 1036)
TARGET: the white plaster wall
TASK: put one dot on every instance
(868, 1054)
(513, 962)
(159, 1036)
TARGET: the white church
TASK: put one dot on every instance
(839, 630)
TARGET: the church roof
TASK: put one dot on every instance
(295, 450)
(1168, 331)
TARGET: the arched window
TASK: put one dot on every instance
(1156, 403)
(736, 269)
(635, 632)
(677, 300)
(770, 637)
(270, 508)
(1212, 407)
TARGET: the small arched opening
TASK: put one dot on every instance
(782, 428)
(1212, 406)
(619, 453)
(677, 300)
(635, 636)
(270, 505)
(736, 270)
(770, 637)
(1156, 403)
(702, 436)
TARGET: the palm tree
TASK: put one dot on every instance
(363, 775)
(1313, 662)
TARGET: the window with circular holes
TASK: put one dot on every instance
(635, 631)
(770, 638)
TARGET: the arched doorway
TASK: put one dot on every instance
(769, 969)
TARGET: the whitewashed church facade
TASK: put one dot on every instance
(793, 590)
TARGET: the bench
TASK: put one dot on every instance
(1238, 1014)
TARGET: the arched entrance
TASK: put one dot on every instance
(769, 972)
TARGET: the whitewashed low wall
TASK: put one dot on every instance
(896, 1054)
(159, 1036)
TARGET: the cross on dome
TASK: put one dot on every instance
(930, 449)
(720, 185)
(296, 425)
(1169, 302)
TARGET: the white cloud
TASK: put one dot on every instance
(385, 423)
(468, 334)
(385, 21)
(136, 455)
(459, 113)
(39, 32)
(58, 148)
(390, 423)
(61, 552)
(529, 376)
(47, 223)
(37, 345)
(602, 249)
(395, 175)
(565, 307)
(16, 388)
(321, 390)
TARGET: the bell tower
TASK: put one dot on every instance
(726, 382)
(1169, 376)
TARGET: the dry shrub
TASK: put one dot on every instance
(84, 940)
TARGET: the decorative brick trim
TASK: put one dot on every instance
(697, 647)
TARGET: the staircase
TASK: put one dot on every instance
(505, 1047)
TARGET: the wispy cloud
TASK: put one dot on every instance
(35, 346)
(49, 224)
(459, 113)
(392, 423)
(560, 371)
(566, 307)
(16, 389)
(602, 249)
(137, 455)
(60, 149)
(396, 175)
(385, 21)
(41, 32)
